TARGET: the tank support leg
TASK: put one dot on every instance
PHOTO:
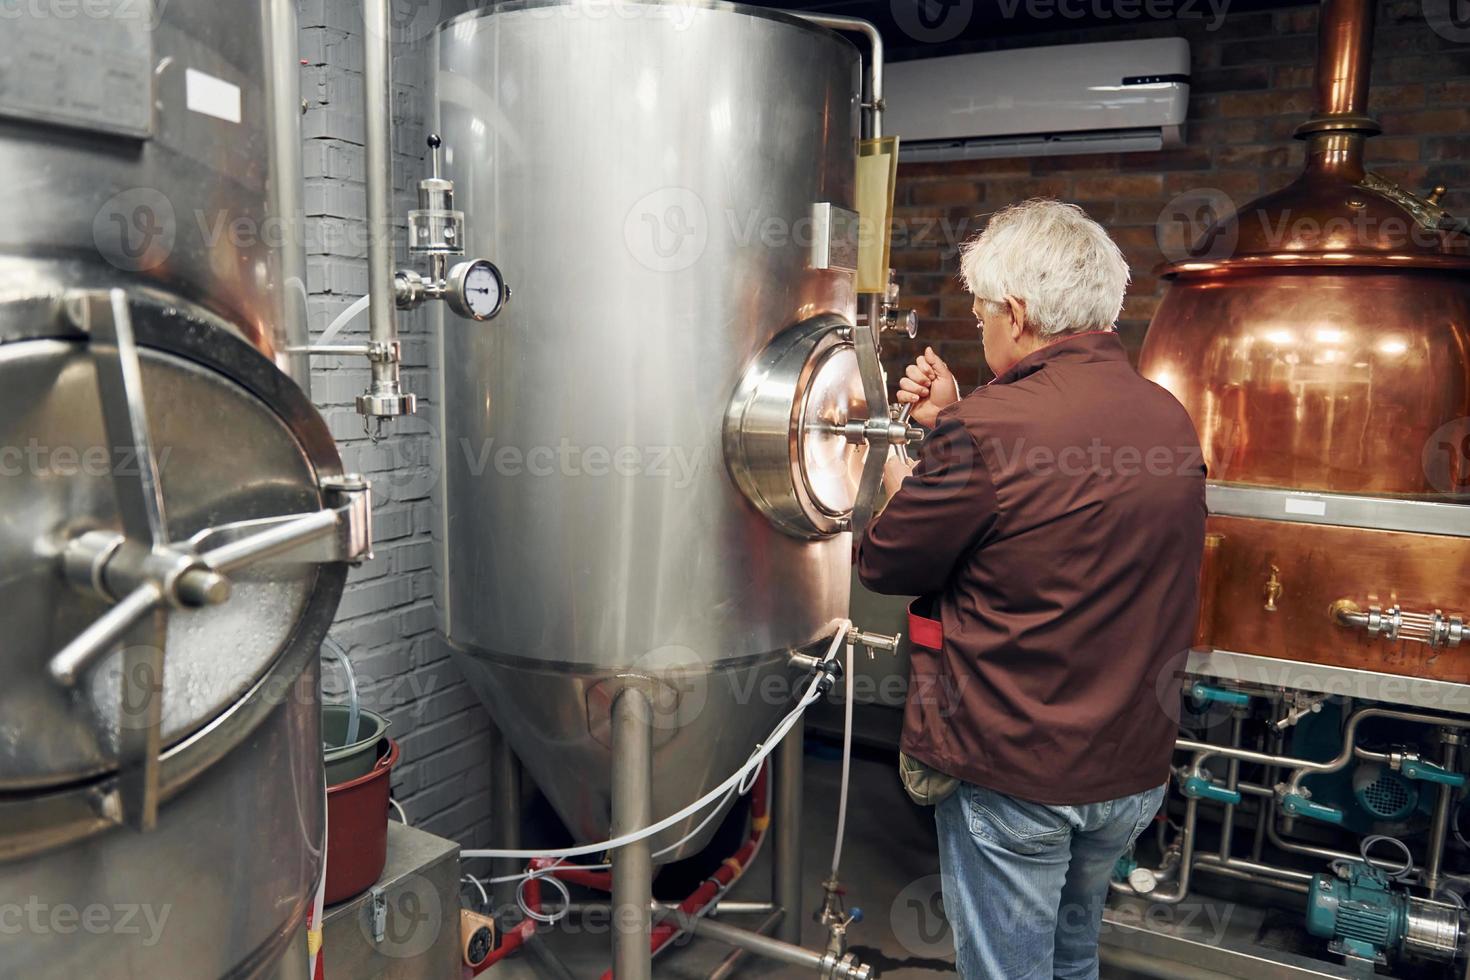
(786, 861)
(505, 791)
(632, 809)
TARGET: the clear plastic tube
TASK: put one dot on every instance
(354, 707)
(846, 765)
(335, 327)
(735, 780)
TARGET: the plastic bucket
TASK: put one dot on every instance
(357, 829)
(346, 762)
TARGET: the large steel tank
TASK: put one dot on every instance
(161, 795)
(1320, 339)
(641, 482)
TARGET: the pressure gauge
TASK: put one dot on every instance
(476, 290)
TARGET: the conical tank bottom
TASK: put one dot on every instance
(707, 720)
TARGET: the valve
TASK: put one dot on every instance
(1436, 628)
(1209, 694)
(1299, 805)
(1203, 788)
(475, 290)
(1414, 767)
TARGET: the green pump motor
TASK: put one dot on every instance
(1366, 918)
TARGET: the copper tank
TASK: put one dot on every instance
(1320, 339)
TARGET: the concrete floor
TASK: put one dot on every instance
(890, 867)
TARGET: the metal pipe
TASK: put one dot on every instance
(1232, 780)
(1255, 868)
(731, 963)
(1439, 827)
(754, 942)
(505, 795)
(786, 812)
(378, 98)
(1344, 57)
(1215, 868)
(283, 98)
(632, 809)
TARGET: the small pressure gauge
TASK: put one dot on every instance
(476, 290)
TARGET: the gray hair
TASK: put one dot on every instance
(1053, 257)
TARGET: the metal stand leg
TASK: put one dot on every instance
(505, 793)
(632, 809)
(786, 859)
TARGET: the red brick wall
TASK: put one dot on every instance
(1251, 87)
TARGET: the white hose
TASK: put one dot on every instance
(846, 766)
(333, 328)
(735, 780)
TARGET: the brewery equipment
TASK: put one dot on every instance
(176, 518)
(1320, 339)
(641, 485)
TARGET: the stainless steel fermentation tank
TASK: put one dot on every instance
(159, 825)
(641, 485)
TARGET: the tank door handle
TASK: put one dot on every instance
(1437, 628)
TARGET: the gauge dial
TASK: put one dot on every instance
(477, 289)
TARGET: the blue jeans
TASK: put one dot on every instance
(1024, 883)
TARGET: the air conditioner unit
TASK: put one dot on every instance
(1117, 96)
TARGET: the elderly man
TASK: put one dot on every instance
(1054, 524)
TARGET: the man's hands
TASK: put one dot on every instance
(928, 385)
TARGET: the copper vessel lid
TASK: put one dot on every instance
(1337, 213)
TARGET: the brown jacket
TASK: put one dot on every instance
(1056, 519)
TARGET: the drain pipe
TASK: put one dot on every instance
(385, 397)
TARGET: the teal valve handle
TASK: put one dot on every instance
(1431, 773)
(1206, 693)
(1204, 789)
(1299, 806)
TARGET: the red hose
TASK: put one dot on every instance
(667, 931)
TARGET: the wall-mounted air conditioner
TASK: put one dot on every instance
(1112, 97)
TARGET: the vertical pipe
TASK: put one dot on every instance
(378, 108)
(505, 796)
(786, 811)
(283, 101)
(632, 809)
(1344, 56)
(1439, 827)
(1232, 780)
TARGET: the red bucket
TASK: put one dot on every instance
(357, 829)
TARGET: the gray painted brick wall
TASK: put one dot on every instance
(387, 620)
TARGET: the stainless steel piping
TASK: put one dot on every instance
(1439, 827)
(754, 942)
(731, 963)
(384, 397)
(1232, 780)
(505, 793)
(632, 809)
(786, 812)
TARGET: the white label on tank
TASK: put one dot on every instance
(212, 96)
(1306, 505)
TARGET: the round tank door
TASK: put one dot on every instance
(784, 439)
